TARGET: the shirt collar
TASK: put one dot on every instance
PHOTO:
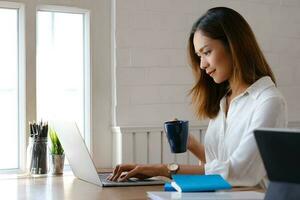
(259, 86)
(253, 90)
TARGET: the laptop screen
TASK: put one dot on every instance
(280, 152)
(76, 151)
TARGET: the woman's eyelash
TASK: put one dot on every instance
(206, 53)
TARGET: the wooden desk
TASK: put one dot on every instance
(68, 187)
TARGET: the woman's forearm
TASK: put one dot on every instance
(183, 169)
(191, 169)
(198, 150)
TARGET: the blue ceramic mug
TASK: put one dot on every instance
(177, 134)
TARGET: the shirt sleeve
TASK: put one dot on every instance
(244, 166)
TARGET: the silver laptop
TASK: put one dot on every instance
(80, 160)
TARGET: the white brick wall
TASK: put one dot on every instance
(153, 76)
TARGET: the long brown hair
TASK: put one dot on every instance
(249, 63)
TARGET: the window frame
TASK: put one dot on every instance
(27, 77)
(21, 86)
(87, 64)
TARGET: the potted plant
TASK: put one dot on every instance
(57, 153)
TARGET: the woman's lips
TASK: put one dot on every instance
(211, 72)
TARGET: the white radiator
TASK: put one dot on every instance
(149, 145)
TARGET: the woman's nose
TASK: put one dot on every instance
(203, 63)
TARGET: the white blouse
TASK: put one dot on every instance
(230, 146)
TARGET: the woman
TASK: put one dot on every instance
(235, 88)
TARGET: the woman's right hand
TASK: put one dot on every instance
(125, 171)
(119, 169)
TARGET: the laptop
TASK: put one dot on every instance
(280, 152)
(81, 162)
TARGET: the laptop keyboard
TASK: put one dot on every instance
(103, 178)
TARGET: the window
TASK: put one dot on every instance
(63, 67)
(61, 75)
(11, 83)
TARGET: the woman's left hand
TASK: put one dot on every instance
(125, 171)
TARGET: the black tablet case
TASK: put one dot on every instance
(280, 152)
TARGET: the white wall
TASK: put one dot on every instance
(152, 73)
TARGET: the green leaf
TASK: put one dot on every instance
(56, 147)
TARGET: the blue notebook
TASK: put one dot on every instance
(199, 183)
(168, 187)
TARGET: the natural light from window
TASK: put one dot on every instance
(61, 67)
(9, 113)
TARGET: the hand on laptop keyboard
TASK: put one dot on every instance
(108, 178)
(120, 179)
(125, 171)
